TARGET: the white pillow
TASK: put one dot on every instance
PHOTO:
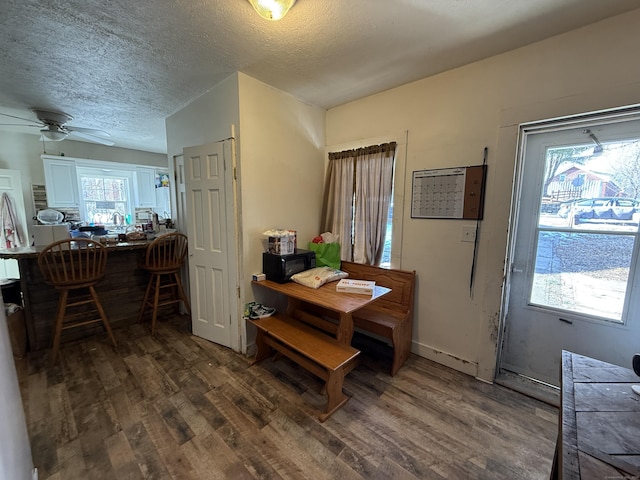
(316, 277)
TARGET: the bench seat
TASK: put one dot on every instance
(390, 316)
(313, 350)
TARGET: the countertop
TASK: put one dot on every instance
(32, 252)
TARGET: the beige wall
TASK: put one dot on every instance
(450, 118)
(281, 167)
(207, 119)
(20, 151)
(280, 142)
(281, 171)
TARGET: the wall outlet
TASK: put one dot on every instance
(468, 233)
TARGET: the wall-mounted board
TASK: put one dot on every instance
(453, 193)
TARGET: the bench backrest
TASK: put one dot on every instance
(401, 283)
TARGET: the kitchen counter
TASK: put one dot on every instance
(32, 252)
(121, 291)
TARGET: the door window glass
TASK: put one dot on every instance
(589, 210)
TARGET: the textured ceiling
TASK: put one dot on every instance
(124, 66)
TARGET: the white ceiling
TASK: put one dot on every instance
(124, 66)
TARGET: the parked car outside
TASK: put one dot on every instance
(601, 209)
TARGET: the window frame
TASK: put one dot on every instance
(101, 172)
(399, 192)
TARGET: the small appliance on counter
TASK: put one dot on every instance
(280, 268)
(46, 234)
(50, 227)
(49, 217)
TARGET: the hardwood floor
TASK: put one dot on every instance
(177, 406)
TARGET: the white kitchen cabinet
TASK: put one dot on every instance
(146, 187)
(61, 183)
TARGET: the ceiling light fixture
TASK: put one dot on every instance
(53, 134)
(272, 9)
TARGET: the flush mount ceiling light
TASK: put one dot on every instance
(272, 9)
(54, 133)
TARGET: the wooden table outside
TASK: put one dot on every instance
(599, 431)
(344, 304)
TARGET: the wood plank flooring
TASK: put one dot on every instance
(175, 406)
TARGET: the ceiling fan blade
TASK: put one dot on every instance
(91, 138)
(30, 120)
(20, 125)
(90, 131)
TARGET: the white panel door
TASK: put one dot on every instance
(211, 231)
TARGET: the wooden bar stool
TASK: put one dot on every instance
(163, 259)
(73, 266)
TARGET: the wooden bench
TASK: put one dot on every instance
(313, 350)
(390, 316)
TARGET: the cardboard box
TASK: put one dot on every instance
(283, 245)
(46, 234)
(349, 285)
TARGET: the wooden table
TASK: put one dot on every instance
(344, 304)
(599, 428)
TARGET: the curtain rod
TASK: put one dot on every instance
(384, 147)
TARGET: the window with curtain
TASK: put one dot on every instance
(358, 200)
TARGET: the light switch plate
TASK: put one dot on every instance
(468, 233)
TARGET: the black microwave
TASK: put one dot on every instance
(280, 268)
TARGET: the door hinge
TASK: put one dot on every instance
(238, 291)
(235, 173)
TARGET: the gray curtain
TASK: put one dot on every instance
(356, 201)
(337, 214)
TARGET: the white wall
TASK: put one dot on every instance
(281, 168)
(207, 119)
(279, 156)
(450, 118)
(15, 453)
(21, 151)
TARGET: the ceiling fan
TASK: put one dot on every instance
(53, 126)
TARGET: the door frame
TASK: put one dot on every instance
(568, 122)
(237, 337)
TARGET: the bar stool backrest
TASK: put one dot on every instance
(73, 262)
(166, 253)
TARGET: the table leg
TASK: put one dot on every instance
(345, 329)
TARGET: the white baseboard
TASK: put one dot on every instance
(445, 358)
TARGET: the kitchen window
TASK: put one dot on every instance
(96, 191)
(105, 195)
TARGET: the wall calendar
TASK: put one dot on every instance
(454, 193)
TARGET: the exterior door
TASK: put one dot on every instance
(573, 279)
(212, 252)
